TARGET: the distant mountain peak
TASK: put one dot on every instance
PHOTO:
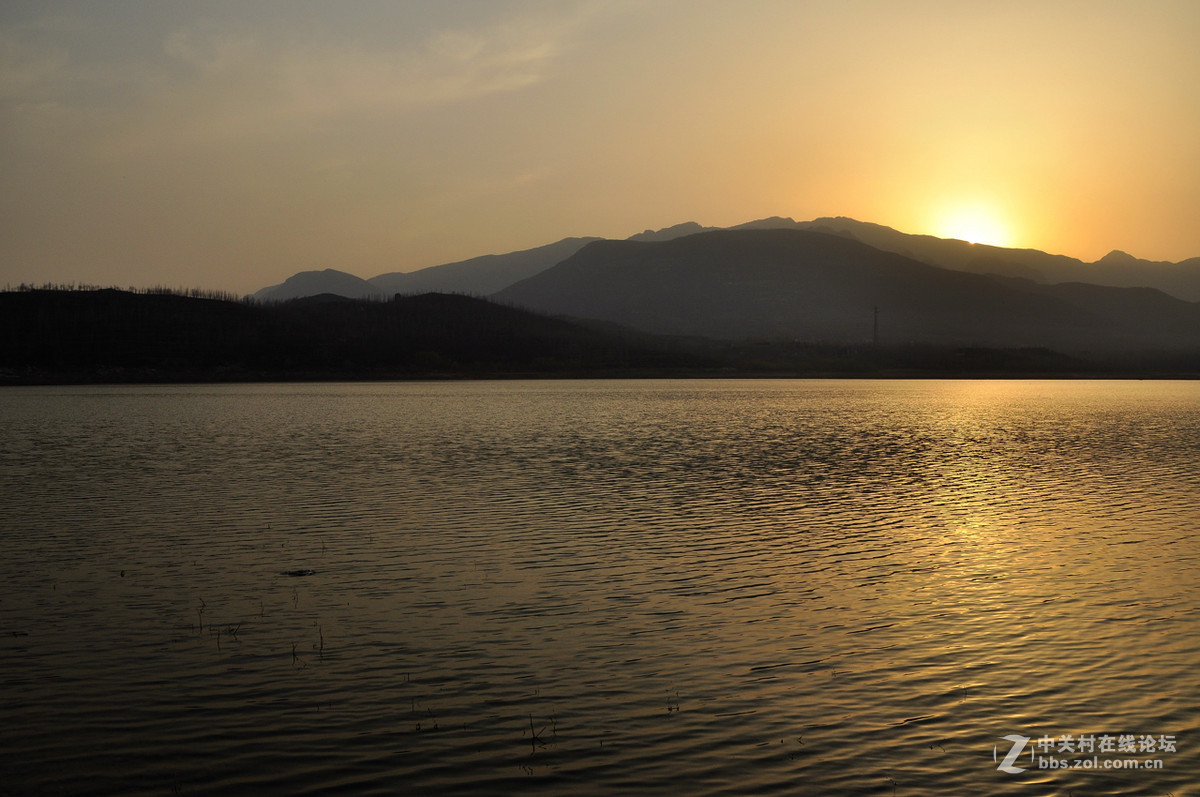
(769, 223)
(1116, 256)
(313, 283)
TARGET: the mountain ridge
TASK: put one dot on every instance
(779, 283)
(480, 276)
(488, 274)
(1181, 279)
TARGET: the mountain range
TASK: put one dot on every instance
(828, 281)
(796, 284)
(489, 274)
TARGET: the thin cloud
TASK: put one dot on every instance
(450, 66)
(202, 85)
(212, 53)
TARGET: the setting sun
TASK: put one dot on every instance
(973, 224)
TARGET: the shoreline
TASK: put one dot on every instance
(122, 376)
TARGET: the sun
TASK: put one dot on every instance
(974, 224)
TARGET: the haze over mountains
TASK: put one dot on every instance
(831, 280)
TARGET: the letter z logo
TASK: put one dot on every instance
(1018, 744)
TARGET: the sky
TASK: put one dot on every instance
(229, 145)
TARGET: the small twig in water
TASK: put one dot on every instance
(536, 736)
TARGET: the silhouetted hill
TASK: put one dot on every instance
(811, 286)
(1117, 269)
(112, 335)
(312, 283)
(480, 276)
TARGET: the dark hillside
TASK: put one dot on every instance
(787, 284)
(52, 336)
(67, 329)
(111, 335)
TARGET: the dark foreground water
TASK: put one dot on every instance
(775, 587)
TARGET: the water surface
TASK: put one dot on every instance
(701, 587)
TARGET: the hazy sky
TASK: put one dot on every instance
(228, 145)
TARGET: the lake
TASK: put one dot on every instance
(610, 587)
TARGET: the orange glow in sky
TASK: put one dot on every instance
(230, 145)
(975, 223)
